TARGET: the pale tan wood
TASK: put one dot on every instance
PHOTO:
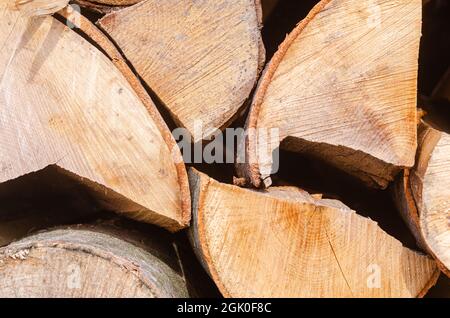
(256, 244)
(342, 87)
(65, 104)
(88, 262)
(443, 88)
(201, 58)
(424, 195)
(268, 6)
(35, 7)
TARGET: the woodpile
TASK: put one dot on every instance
(95, 180)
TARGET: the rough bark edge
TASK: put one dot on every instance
(105, 44)
(53, 242)
(250, 170)
(200, 245)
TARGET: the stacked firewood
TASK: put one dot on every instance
(115, 125)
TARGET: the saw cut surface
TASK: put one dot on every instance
(342, 88)
(63, 103)
(259, 244)
(201, 58)
(84, 263)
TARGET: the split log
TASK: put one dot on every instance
(89, 262)
(201, 59)
(288, 244)
(64, 104)
(36, 7)
(342, 87)
(104, 7)
(423, 195)
(442, 90)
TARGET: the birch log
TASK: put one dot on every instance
(64, 104)
(201, 58)
(342, 88)
(286, 243)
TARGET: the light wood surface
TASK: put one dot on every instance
(65, 104)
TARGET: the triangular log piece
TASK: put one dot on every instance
(64, 104)
(201, 58)
(259, 244)
(423, 195)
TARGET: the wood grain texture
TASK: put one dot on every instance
(96, 7)
(64, 103)
(255, 244)
(79, 262)
(35, 7)
(116, 2)
(342, 87)
(426, 195)
(202, 58)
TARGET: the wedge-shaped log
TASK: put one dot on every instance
(87, 262)
(423, 195)
(35, 7)
(285, 243)
(342, 87)
(116, 2)
(63, 103)
(201, 58)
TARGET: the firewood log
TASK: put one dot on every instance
(89, 262)
(201, 58)
(285, 243)
(342, 87)
(65, 104)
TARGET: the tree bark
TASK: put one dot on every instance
(89, 262)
